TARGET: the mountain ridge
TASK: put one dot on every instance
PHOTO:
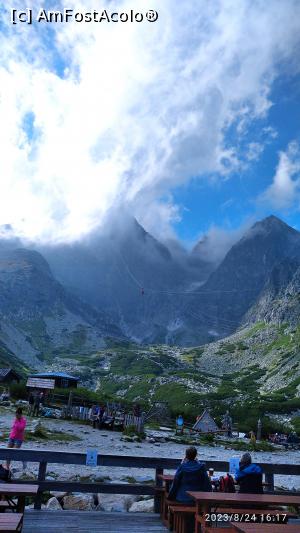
(124, 283)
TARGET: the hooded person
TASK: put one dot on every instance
(249, 476)
(191, 475)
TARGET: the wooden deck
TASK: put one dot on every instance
(91, 522)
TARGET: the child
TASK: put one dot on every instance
(16, 436)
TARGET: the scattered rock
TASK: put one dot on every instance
(144, 506)
(58, 495)
(82, 502)
(53, 504)
(117, 504)
(144, 479)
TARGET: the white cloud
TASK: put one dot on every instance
(285, 188)
(124, 112)
(254, 151)
(217, 241)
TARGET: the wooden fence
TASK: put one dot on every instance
(45, 457)
(75, 412)
(136, 421)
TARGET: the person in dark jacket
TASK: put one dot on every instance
(191, 475)
(249, 476)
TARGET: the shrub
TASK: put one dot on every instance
(19, 391)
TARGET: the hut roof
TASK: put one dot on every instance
(205, 423)
(4, 372)
(53, 375)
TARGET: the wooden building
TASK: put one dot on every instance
(8, 375)
(61, 380)
(205, 423)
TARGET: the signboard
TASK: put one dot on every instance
(39, 383)
(234, 464)
(91, 457)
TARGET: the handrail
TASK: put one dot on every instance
(43, 457)
(133, 461)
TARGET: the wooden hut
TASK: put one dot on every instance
(8, 375)
(61, 380)
(205, 423)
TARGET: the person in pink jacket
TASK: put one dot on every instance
(16, 436)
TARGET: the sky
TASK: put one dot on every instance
(191, 122)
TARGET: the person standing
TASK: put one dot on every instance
(16, 436)
(36, 406)
(30, 403)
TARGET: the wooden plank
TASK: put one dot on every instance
(266, 528)
(158, 482)
(269, 479)
(91, 521)
(105, 488)
(40, 383)
(235, 499)
(11, 522)
(41, 477)
(16, 489)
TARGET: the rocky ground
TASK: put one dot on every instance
(110, 443)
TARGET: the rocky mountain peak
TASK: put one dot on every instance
(269, 226)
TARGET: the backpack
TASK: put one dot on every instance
(227, 484)
(5, 474)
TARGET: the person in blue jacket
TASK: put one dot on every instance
(249, 476)
(191, 475)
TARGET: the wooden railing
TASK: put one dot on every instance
(45, 457)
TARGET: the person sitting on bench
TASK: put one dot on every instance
(249, 476)
(191, 475)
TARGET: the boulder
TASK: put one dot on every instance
(53, 504)
(144, 506)
(144, 479)
(57, 494)
(117, 504)
(80, 502)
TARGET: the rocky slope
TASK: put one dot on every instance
(121, 282)
(241, 278)
(125, 272)
(39, 316)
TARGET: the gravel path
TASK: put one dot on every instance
(108, 442)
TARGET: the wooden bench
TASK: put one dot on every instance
(181, 517)
(4, 505)
(168, 516)
(11, 522)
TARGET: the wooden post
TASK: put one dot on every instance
(259, 426)
(269, 478)
(158, 483)
(41, 477)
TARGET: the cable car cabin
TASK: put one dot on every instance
(62, 380)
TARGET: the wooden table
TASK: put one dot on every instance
(205, 501)
(167, 480)
(19, 491)
(265, 528)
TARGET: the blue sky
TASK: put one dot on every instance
(230, 202)
(190, 123)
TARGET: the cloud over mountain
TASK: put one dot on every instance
(94, 115)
